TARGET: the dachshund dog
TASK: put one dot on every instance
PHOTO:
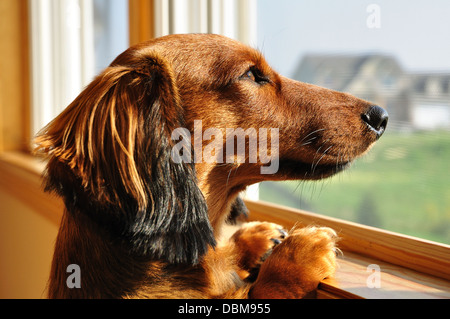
(141, 223)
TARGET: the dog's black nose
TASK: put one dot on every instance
(376, 117)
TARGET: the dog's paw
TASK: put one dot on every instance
(315, 251)
(296, 266)
(254, 242)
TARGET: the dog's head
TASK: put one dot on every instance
(111, 152)
(226, 85)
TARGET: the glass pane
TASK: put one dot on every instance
(395, 54)
(111, 31)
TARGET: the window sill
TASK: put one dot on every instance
(409, 267)
(21, 177)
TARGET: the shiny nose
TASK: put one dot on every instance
(376, 118)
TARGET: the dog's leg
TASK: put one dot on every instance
(253, 243)
(298, 264)
(234, 263)
(238, 212)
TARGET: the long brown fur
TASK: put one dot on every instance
(139, 225)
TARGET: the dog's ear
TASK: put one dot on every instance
(109, 156)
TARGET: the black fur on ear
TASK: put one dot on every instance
(110, 158)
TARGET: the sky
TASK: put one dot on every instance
(416, 32)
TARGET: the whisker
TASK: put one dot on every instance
(323, 154)
(338, 159)
(313, 132)
(309, 141)
(314, 163)
(228, 178)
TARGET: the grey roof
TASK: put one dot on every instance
(337, 71)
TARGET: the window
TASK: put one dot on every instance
(233, 18)
(71, 42)
(392, 53)
(396, 55)
(401, 185)
(110, 31)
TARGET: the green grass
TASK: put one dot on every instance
(402, 185)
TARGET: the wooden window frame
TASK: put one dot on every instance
(15, 76)
(409, 267)
(141, 20)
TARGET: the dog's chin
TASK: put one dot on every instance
(297, 170)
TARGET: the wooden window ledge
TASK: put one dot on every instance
(408, 267)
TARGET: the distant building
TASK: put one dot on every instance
(414, 101)
(430, 101)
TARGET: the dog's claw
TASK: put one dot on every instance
(276, 241)
(284, 233)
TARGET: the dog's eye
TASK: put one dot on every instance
(255, 76)
(250, 75)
